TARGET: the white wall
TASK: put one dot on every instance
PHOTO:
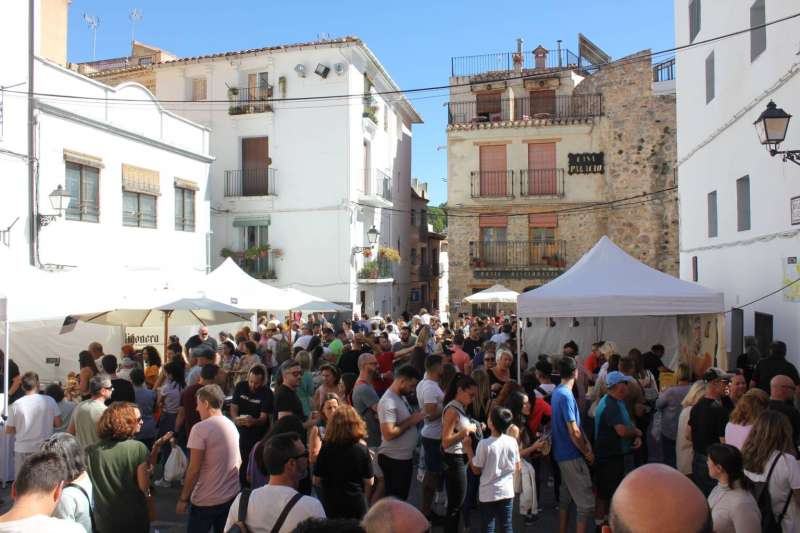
(717, 144)
(316, 148)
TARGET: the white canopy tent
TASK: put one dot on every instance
(496, 294)
(229, 283)
(612, 296)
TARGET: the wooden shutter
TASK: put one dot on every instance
(493, 175)
(493, 221)
(710, 77)
(549, 220)
(712, 214)
(541, 178)
(255, 166)
(543, 102)
(694, 19)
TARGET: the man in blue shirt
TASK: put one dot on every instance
(571, 450)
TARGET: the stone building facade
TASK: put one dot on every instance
(537, 152)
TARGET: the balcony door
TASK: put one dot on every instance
(494, 247)
(493, 171)
(543, 102)
(489, 106)
(258, 90)
(255, 166)
(255, 236)
(541, 179)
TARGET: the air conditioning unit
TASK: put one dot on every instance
(300, 69)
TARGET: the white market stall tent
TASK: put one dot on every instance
(496, 294)
(609, 295)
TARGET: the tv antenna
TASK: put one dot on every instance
(135, 15)
(92, 22)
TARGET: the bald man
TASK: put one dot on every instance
(781, 396)
(391, 515)
(658, 499)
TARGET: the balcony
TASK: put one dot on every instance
(503, 62)
(492, 183)
(578, 106)
(94, 67)
(258, 268)
(517, 259)
(539, 182)
(664, 71)
(379, 270)
(247, 100)
(251, 182)
(377, 188)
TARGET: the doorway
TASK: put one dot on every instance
(763, 330)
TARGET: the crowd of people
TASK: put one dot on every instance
(307, 426)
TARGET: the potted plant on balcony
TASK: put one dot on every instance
(226, 252)
(277, 252)
(263, 250)
(252, 252)
(237, 110)
(233, 91)
(367, 253)
(369, 271)
(389, 254)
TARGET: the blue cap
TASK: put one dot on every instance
(615, 378)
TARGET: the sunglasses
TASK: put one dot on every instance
(300, 455)
(491, 359)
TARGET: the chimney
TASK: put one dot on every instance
(540, 57)
(52, 30)
(519, 56)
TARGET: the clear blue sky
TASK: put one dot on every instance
(413, 39)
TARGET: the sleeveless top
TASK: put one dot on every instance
(461, 423)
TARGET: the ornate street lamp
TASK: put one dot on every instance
(372, 238)
(771, 127)
(59, 199)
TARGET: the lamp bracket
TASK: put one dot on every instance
(360, 249)
(788, 155)
(45, 220)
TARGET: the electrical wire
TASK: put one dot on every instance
(610, 63)
(763, 297)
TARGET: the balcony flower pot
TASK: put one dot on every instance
(233, 91)
(389, 254)
(263, 251)
(277, 252)
(226, 252)
(252, 253)
(237, 110)
(368, 252)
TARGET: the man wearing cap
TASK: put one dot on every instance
(707, 422)
(615, 437)
(87, 413)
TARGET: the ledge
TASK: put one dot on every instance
(374, 281)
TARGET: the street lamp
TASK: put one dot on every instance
(59, 199)
(771, 127)
(372, 238)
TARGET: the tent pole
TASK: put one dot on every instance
(166, 333)
(519, 350)
(6, 365)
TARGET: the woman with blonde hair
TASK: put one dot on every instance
(669, 405)
(769, 457)
(683, 447)
(343, 469)
(749, 406)
(316, 433)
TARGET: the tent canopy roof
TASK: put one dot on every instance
(229, 283)
(496, 294)
(606, 281)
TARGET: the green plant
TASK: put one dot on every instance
(370, 270)
(233, 91)
(263, 250)
(226, 252)
(371, 112)
(237, 110)
(252, 253)
(389, 254)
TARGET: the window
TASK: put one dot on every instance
(712, 214)
(413, 217)
(758, 36)
(256, 236)
(743, 203)
(184, 209)
(413, 256)
(493, 177)
(138, 210)
(423, 256)
(83, 183)
(694, 19)
(199, 89)
(710, 77)
(695, 275)
(489, 106)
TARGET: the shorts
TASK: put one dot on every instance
(608, 474)
(576, 486)
(433, 456)
(376, 468)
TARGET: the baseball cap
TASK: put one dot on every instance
(615, 378)
(714, 373)
(98, 383)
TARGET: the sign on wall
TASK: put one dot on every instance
(795, 210)
(586, 163)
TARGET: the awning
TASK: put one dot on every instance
(141, 180)
(251, 221)
(186, 184)
(83, 159)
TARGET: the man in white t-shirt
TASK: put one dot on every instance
(286, 459)
(502, 336)
(304, 339)
(430, 397)
(36, 492)
(32, 419)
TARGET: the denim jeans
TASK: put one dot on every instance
(668, 451)
(202, 519)
(455, 482)
(397, 475)
(471, 500)
(497, 516)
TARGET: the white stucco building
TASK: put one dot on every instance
(136, 173)
(738, 230)
(299, 167)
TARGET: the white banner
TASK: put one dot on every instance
(141, 337)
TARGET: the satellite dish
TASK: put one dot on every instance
(300, 69)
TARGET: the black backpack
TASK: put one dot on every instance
(769, 522)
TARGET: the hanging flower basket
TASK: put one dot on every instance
(389, 254)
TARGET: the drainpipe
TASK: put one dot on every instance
(519, 60)
(33, 226)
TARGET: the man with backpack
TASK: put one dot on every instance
(278, 506)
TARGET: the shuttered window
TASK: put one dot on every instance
(493, 171)
(83, 186)
(712, 214)
(199, 89)
(710, 77)
(743, 203)
(758, 36)
(694, 19)
(541, 175)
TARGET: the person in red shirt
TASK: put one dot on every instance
(386, 362)
(595, 359)
(460, 358)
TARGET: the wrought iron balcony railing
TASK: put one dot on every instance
(507, 61)
(541, 182)
(517, 254)
(525, 107)
(664, 71)
(246, 100)
(492, 183)
(251, 182)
